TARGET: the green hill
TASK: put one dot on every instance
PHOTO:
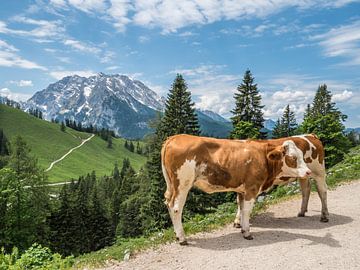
(49, 143)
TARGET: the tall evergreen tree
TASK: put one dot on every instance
(248, 104)
(278, 130)
(109, 142)
(62, 127)
(179, 117)
(287, 126)
(4, 149)
(24, 199)
(100, 227)
(326, 121)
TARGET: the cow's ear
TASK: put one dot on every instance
(277, 154)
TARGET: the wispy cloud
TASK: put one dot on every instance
(42, 30)
(81, 46)
(22, 83)
(170, 16)
(6, 92)
(63, 73)
(343, 41)
(9, 58)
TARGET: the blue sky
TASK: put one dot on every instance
(290, 46)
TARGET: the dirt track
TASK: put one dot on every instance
(281, 240)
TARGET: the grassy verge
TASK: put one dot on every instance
(347, 170)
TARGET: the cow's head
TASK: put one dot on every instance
(292, 158)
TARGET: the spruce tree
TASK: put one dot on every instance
(109, 142)
(62, 127)
(24, 199)
(4, 149)
(287, 126)
(248, 104)
(278, 130)
(100, 227)
(326, 121)
(179, 117)
(245, 130)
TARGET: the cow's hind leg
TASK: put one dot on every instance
(305, 192)
(240, 203)
(322, 191)
(245, 218)
(176, 215)
(186, 178)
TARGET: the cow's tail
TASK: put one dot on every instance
(169, 187)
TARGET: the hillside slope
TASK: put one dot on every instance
(48, 143)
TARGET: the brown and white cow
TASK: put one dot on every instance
(247, 167)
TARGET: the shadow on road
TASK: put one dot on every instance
(267, 220)
(268, 237)
(236, 241)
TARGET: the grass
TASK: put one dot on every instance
(347, 170)
(49, 143)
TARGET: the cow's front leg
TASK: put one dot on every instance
(240, 203)
(245, 218)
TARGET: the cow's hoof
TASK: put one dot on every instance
(249, 237)
(324, 219)
(183, 243)
(301, 215)
(237, 225)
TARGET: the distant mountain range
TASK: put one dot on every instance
(116, 102)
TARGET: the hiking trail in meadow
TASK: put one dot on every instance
(69, 152)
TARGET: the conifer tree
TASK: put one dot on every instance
(179, 117)
(278, 130)
(4, 149)
(109, 142)
(138, 148)
(326, 121)
(25, 198)
(63, 224)
(287, 126)
(100, 227)
(62, 127)
(131, 146)
(126, 144)
(248, 104)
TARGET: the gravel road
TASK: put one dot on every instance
(281, 240)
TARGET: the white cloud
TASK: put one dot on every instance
(342, 41)
(143, 39)
(81, 46)
(6, 92)
(87, 6)
(343, 96)
(298, 90)
(170, 15)
(22, 83)
(210, 87)
(63, 73)
(10, 58)
(112, 68)
(42, 30)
